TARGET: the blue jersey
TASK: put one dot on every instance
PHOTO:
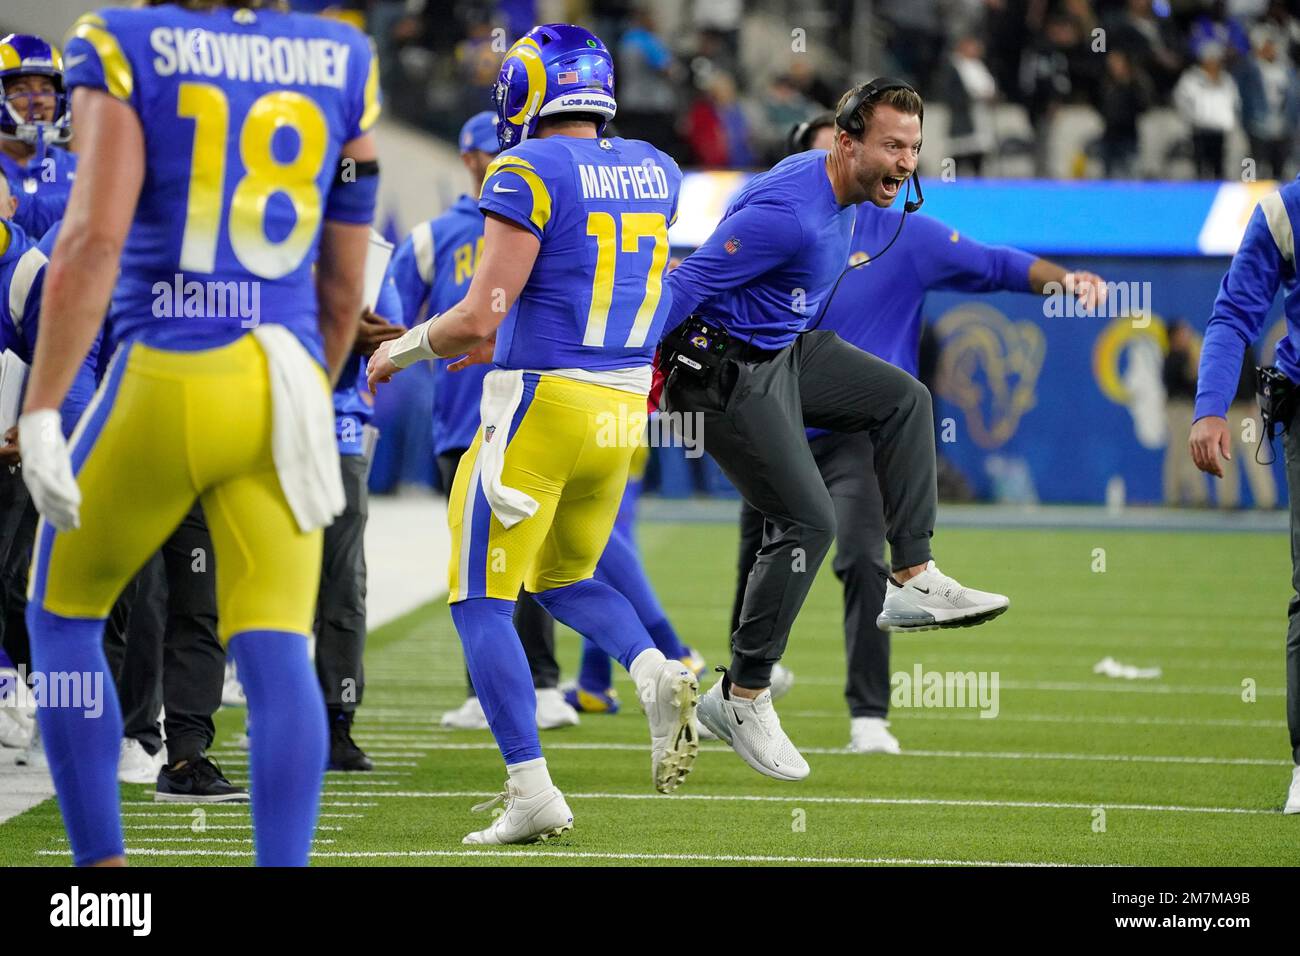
(41, 185)
(432, 269)
(773, 258)
(596, 298)
(354, 406)
(878, 305)
(22, 282)
(244, 116)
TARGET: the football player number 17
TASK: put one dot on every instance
(635, 227)
(264, 175)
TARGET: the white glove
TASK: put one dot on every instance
(47, 468)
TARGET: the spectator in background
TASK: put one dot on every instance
(1125, 95)
(1217, 27)
(1045, 73)
(807, 81)
(968, 88)
(716, 129)
(1270, 103)
(647, 95)
(1206, 96)
(1150, 43)
(915, 32)
(783, 107)
(1184, 483)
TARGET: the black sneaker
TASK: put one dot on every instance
(198, 780)
(344, 752)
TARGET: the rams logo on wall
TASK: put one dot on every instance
(989, 367)
(1127, 359)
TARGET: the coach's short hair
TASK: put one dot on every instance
(904, 100)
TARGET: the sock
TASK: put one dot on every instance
(596, 673)
(621, 569)
(289, 743)
(644, 667)
(499, 670)
(530, 777)
(596, 610)
(81, 725)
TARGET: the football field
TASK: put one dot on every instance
(1069, 766)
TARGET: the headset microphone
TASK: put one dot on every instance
(910, 205)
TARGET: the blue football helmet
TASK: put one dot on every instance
(25, 55)
(554, 68)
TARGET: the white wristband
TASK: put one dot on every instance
(412, 347)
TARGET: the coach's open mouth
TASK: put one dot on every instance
(892, 184)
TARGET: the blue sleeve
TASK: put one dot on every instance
(407, 283)
(515, 190)
(1242, 305)
(93, 56)
(748, 243)
(949, 260)
(389, 304)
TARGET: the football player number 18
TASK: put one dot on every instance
(635, 227)
(264, 175)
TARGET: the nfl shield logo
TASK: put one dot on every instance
(487, 433)
(732, 246)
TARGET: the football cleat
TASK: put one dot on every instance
(933, 600)
(591, 702)
(137, 765)
(34, 754)
(553, 711)
(468, 716)
(753, 730)
(523, 819)
(1293, 795)
(870, 735)
(670, 699)
(232, 692)
(12, 733)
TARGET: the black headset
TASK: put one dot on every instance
(800, 135)
(849, 119)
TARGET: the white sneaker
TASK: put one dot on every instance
(932, 600)
(1293, 795)
(135, 765)
(232, 692)
(870, 735)
(524, 819)
(13, 733)
(34, 755)
(669, 701)
(753, 730)
(468, 716)
(552, 710)
(782, 681)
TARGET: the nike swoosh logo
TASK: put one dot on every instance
(496, 188)
(71, 61)
(923, 590)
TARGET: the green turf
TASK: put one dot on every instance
(1209, 609)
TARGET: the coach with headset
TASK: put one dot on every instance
(745, 354)
(1265, 262)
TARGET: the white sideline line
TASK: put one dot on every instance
(588, 855)
(961, 754)
(211, 826)
(853, 801)
(229, 814)
(197, 839)
(324, 803)
(904, 714)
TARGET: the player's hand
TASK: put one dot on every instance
(1209, 438)
(373, 331)
(380, 368)
(480, 354)
(9, 454)
(1088, 287)
(47, 468)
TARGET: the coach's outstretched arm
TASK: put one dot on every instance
(469, 326)
(78, 285)
(1240, 309)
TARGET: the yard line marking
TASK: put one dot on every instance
(961, 754)
(856, 801)
(210, 826)
(208, 814)
(1125, 687)
(589, 855)
(196, 839)
(906, 714)
(326, 803)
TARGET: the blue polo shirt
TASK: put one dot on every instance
(773, 258)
